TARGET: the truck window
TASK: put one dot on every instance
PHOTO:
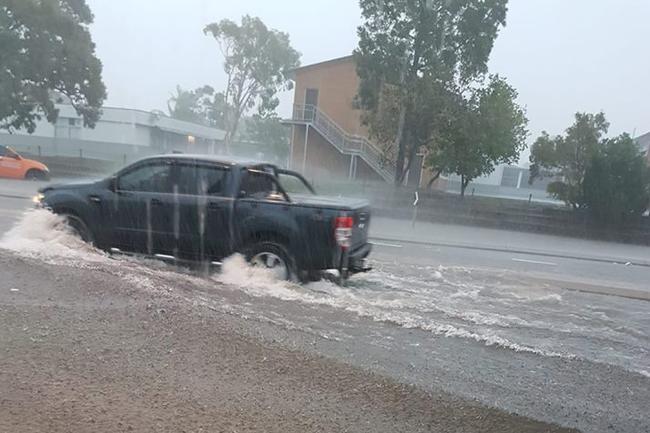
(154, 177)
(259, 185)
(195, 179)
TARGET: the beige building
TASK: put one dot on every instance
(328, 139)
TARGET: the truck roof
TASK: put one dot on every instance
(219, 159)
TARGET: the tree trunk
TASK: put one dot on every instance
(401, 153)
(399, 137)
(463, 185)
(231, 132)
(434, 178)
(413, 150)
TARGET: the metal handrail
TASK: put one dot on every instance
(344, 142)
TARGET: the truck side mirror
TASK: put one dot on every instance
(112, 184)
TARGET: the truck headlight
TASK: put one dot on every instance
(38, 198)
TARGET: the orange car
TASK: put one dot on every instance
(14, 166)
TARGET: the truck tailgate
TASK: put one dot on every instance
(361, 226)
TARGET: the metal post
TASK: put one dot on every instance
(415, 209)
(521, 176)
(304, 155)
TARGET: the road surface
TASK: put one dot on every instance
(476, 319)
(577, 264)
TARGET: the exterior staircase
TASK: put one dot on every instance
(345, 143)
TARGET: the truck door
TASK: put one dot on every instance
(262, 206)
(202, 210)
(140, 215)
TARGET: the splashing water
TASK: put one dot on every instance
(447, 301)
(44, 235)
(456, 303)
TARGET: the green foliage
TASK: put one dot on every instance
(568, 157)
(403, 42)
(203, 105)
(269, 133)
(617, 181)
(483, 128)
(432, 99)
(46, 48)
(258, 61)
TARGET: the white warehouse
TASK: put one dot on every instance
(120, 135)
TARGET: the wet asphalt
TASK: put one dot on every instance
(571, 391)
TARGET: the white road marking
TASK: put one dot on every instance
(534, 262)
(381, 244)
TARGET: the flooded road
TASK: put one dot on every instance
(574, 358)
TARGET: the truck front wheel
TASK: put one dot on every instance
(273, 256)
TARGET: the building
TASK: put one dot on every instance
(644, 145)
(506, 181)
(120, 135)
(328, 139)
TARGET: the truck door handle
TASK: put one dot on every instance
(94, 199)
(156, 202)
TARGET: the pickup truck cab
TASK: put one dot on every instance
(203, 209)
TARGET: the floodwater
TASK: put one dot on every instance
(494, 310)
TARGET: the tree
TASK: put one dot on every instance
(203, 106)
(617, 181)
(270, 133)
(404, 41)
(568, 157)
(258, 61)
(479, 131)
(47, 49)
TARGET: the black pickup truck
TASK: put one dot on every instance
(203, 209)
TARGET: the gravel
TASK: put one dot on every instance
(82, 350)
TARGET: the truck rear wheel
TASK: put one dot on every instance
(274, 257)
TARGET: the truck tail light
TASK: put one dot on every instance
(343, 231)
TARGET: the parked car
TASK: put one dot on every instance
(14, 166)
(204, 209)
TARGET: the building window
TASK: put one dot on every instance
(311, 97)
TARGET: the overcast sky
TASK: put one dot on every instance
(562, 56)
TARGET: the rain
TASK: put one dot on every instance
(210, 220)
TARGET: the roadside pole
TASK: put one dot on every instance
(415, 209)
